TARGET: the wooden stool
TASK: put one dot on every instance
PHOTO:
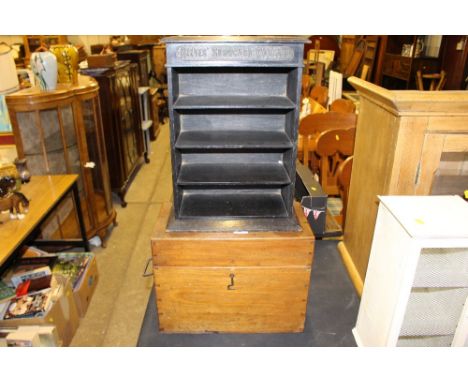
(437, 80)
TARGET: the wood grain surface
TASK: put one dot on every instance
(400, 142)
(43, 192)
(262, 299)
(268, 274)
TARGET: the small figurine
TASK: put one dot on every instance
(22, 169)
(12, 203)
(7, 185)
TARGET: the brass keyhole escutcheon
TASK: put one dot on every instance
(231, 286)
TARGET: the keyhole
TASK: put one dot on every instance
(231, 286)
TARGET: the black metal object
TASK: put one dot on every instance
(31, 238)
(313, 200)
(234, 110)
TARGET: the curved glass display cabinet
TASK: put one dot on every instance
(60, 132)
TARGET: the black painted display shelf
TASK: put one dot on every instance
(234, 109)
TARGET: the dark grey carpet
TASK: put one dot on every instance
(331, 313)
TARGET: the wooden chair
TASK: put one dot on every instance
(437, 80)
(306, 85)
(314, 124)
(332, 147)
(343, 179)
(355, 61)
(341, 105)
(312, 65)
(364, 72)
(319, 94)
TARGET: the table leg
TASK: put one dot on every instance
(76, 197)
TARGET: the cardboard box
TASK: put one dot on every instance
(34, 335)
(83, 292)
(63, 313)
(23, 339)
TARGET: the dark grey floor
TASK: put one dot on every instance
(331, 313)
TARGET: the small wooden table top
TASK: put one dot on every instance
(44, 191)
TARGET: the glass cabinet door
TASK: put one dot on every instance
(127, 119)
(97, 165)
(50, 146)
(443, 167)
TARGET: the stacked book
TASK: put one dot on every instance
(26, 290)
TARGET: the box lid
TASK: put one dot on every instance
(434, 217)
(258, 39)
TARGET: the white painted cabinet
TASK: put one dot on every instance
(416, 287)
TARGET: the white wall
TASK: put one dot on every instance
(88, 40)
(7, 153)
(12, 39)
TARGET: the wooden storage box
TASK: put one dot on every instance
(231, 282)
(106, 60)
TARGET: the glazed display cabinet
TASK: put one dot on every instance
(118, 86)
(234, 107)
(141, 58)
(60, 132)
(407, 143)
(33, 42)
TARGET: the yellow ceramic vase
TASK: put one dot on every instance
(67, 63)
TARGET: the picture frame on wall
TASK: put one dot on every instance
(5, 125)
(7, 140)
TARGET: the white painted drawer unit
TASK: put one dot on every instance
(416, 288)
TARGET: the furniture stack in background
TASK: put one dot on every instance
(141, 58)
(156, 77)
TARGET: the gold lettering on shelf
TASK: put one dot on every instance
(240, 53)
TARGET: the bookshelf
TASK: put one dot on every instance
(234, 108)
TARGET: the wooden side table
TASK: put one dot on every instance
(45, 194)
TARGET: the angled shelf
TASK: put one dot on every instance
(233, 174)
(233, 140)
(232, 102)
(232, 203)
